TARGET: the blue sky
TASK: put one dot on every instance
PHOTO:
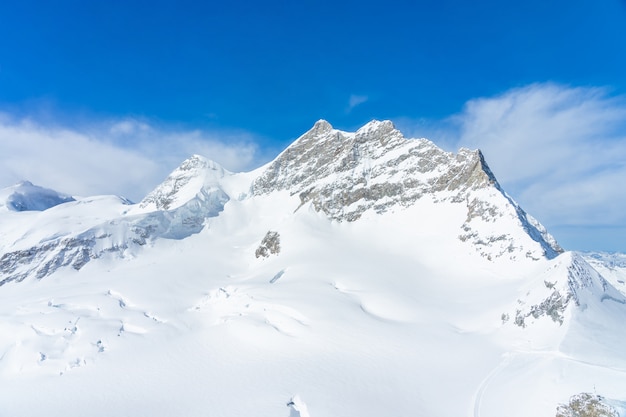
(540, 86)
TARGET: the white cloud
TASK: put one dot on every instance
(559, 151)
(235, 150)
(355, 100)
(128, 127)
(125, 157)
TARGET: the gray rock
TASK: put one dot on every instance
(270, 245)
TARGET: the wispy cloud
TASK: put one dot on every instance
(235, 150)
(127, 157)
(355, 100)
(559, 150)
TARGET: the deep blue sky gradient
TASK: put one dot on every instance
(274, 67)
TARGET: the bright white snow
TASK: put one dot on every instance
(389, 315)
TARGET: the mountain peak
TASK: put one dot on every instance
(25, 196)
(384, 126)
(200, 165)
(381, 132)
(322, 126)
(345, 174)
(373, 163)
(186, 182)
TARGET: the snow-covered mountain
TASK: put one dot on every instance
(25, 196)
(358, 274)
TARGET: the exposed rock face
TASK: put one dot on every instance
(579, 282)
(487, 207)
(45, 259)
(554, 307)
(586, 405)
(119, 238)
(344, 174)
(270, 245)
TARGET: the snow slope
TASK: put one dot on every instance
(383, 290)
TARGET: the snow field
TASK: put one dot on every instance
(405, 313)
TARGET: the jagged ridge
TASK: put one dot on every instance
(344, 174)
(376, 168)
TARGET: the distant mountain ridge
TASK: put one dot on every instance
(612, 266)
(24, 196)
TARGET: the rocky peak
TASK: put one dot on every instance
(479, 172)
(194, 176)
(346, 173)
(378, 131)
(321, 126)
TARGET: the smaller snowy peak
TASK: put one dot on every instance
(570, 280)
(176, 209)
(195, 177)
(25, 196)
